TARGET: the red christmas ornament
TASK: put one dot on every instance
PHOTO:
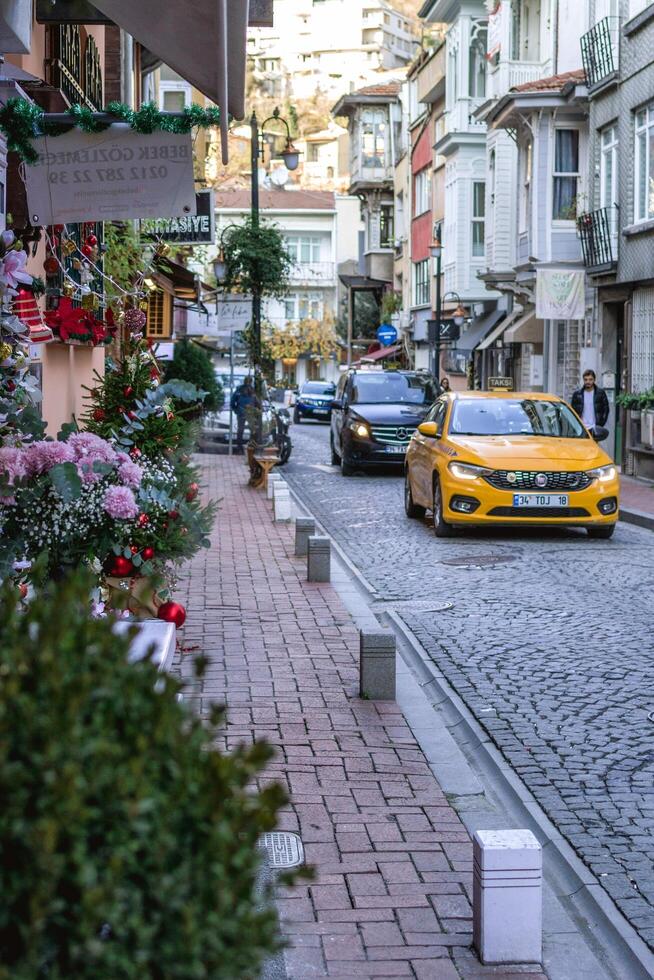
(143, 519)
(148, 553)
(173, 514)
(87, 251)
(54, 242)
(154, 373)
(192, 491)
(99, 415)
(58, 229)
(135, 452)
(172, 612)
(128, 391)
(165, 525)
(121, 567)
(11, 386)
(134, 548)
(22, 588)
(132, 415)
(135, 320)
(91, 241)
(51, 266)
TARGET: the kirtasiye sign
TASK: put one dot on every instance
(192, 229)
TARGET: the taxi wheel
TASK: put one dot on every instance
(346, 468)
(601, 532)
(411, 509)
(441, 528)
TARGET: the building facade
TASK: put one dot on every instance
(616, 227)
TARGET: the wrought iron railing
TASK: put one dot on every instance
(599, 51)
(598, 233)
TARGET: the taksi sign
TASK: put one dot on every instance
(110, 176)
(500, 384)
(190, 229)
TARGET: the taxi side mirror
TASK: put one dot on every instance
(429, 429)
(600, 433)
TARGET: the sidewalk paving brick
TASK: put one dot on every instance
(393, 861)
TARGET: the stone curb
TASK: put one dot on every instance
(629, 955)
(639, 517)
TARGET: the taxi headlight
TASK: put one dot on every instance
(468, 471)
(603, 473)
(359, 429)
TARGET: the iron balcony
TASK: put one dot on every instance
(599, 240)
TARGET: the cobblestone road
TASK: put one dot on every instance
(549, 643)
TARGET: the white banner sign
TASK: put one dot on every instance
(234, 313)
(110, 176)
(560, 295)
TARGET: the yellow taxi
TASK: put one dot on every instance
(493, 458)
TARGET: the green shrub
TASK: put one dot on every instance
(191, 363)
(127, 843)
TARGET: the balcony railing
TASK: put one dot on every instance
(598, 231)
(599, 51)
(313, 273)
(510, 73)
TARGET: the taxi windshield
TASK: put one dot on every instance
(515, 417)
(376, 389)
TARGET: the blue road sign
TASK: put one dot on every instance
(387, 334)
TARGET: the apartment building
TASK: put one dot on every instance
(328, 46)
(616, 225)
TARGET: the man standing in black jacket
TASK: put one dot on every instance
(590, 403)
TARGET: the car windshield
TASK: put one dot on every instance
(515, 417)
(375, 389)
(318, 388)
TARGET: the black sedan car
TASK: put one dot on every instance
(375, 414)
(314, 401)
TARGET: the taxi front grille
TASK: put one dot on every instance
(526, 480)
(393, 435)
(526, 512)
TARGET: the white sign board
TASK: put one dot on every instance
(110, 176)
(233, 313)
(560, 294)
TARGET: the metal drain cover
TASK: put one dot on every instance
(479, 561)
(284, 849)
(413, 605)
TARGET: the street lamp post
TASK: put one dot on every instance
(291, 158)
(459, 316)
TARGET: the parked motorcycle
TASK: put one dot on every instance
(282, 437)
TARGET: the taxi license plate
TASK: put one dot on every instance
(395, 449)
(540, 500)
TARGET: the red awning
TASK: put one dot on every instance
(379, 355)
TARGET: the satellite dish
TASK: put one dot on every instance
(279, 176)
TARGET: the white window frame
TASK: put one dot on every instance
(291, 299)
(374, 130)
(311, 306)
(643, 130)
(174, 86)
(421, 293)
(307, 245)
(565, 174)
(422, 192)
(478, 220)
(526, 181)
(609, 152)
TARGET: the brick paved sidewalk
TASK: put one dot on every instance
(636, 495)
(393, 860)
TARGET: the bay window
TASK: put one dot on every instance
(478, 218)
(422, 192)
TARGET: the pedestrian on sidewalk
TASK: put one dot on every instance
(445, 385)
(591, 403)
(243, 400)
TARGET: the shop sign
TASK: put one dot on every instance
(110, 176)
(191, 229)
(232, 313)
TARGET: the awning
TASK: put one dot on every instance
(478, 330)
(204, 42)
(379, 355)
(362, 282)
(499, 330)
(526, 330)
(175, 279)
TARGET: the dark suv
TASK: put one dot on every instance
(374, 415)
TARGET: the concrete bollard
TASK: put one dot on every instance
(377, 665)
(305, 527)
(272, 479)
(507, 901)
(281, 501)
(318, 559)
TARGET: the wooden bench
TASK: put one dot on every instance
(261, 463)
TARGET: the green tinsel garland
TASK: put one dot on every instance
(22, 121)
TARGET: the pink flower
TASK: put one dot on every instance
(130, 474)
(119, 503)
(12, 270)
(86, 444)
(42, 456)
(13, 463)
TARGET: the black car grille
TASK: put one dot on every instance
(538, 512)
(526, 480)
(393, 435)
